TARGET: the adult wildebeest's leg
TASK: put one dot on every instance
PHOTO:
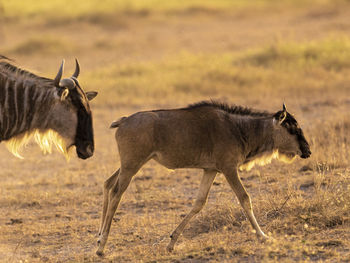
(115, 195)
(106, 188)
(206, 183)
(243, 197)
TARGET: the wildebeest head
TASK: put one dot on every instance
(289, 137)
(75, 112)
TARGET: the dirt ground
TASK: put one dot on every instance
(254, 56)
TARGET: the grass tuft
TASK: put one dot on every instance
(332, 54)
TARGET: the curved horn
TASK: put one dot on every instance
(284, 107)
(77, 69)
(59, 75)
(67, 83)
(75, 81)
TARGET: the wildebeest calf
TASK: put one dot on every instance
(208, 135)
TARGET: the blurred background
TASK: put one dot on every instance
(148, 54)
(158, 52)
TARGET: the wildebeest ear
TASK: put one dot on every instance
(284, 107)
(282, 117)
(64, 94)
(279, 117)
(91, 94)
(283, 114)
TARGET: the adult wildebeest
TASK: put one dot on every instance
(54, 112)
(208, 135)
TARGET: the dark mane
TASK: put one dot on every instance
(8, 70)
(232, 109)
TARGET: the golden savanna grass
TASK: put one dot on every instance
(160, 54)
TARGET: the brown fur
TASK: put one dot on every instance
(208, 136)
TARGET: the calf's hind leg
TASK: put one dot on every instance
(206, 182)
(106, 188)
(115, 194)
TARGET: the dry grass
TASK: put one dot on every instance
(148, 54)
(42, 45)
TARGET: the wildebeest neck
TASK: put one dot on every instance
(257, 136)
(24, 105)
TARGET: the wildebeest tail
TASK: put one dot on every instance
(116, 124)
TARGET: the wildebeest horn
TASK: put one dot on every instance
(59, 75)
(67, 83)
(284, 107)
(77, 69)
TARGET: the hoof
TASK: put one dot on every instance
(170, 248)
(99, 251)
(269, 239)
(264, 238)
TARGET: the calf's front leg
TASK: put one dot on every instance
(243, 197)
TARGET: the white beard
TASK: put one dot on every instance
(45, 139)
(266, 159)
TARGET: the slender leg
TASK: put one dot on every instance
(243, 197)
(115, 195)
(206, 182)
(106, 188)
